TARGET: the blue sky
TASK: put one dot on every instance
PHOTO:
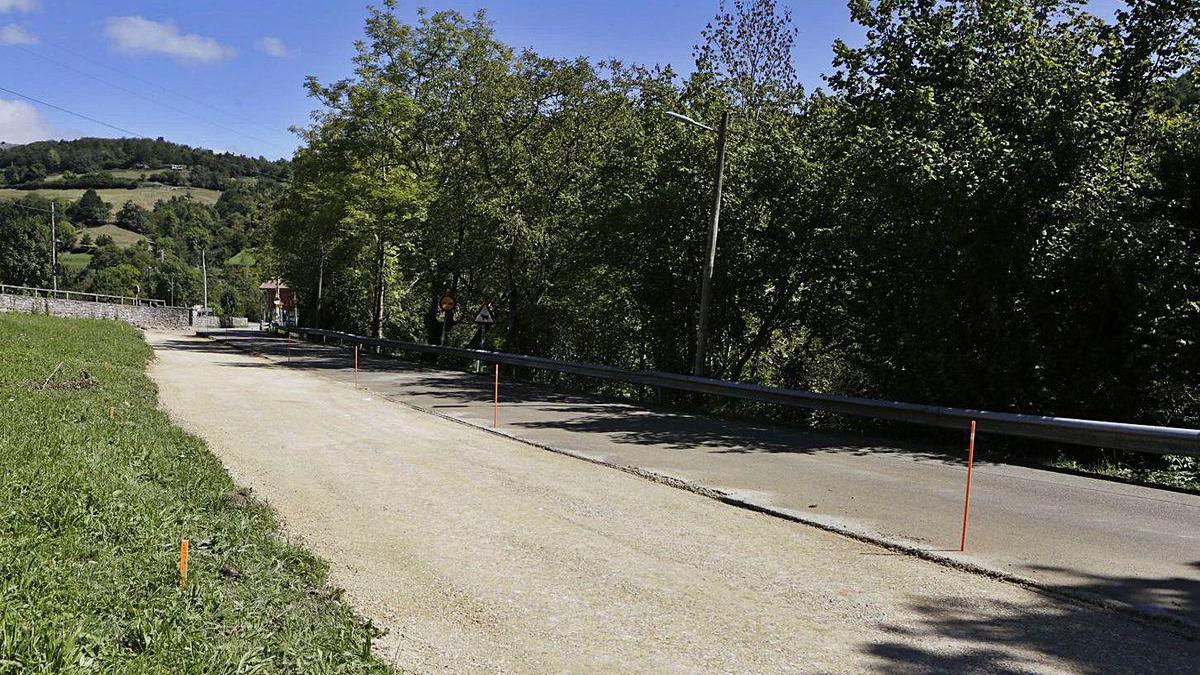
(228, 74)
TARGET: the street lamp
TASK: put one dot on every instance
(711, 252)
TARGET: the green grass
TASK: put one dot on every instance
(135, 174)
(74, 262)
(93, 509)
(120, 236)
(244, 258)
(1181, 472)
(142, 196)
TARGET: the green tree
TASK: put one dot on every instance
(90, 209)
(991, 203)
(133, 217)
(121, 279)
(24, 244)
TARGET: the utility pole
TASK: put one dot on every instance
(710, 251)
(53, 250)
(204, 265)
(698, 368)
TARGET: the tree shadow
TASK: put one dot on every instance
(1048, 633)
(620, 420)
(690, 432)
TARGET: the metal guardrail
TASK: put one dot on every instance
(1117, 435)
(88, 297)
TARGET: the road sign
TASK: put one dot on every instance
(448, 303)
(485, 315)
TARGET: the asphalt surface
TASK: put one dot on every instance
(1135, 546)
(483, 553)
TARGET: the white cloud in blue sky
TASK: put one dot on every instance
(18, 5)
(20, 122)
(273, 46)
(135, 35)
(14, 34)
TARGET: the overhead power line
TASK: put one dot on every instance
(164, 88)
(31, 208)
(144, 97)
(76, 114)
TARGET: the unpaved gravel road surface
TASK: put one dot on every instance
(481, 553)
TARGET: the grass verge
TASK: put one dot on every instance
(99, 488)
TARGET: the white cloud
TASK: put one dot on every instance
(20, 122)
(273, 46)
(13, 34)
(18, 5)
(138, 35)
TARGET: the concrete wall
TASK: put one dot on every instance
(142, 316)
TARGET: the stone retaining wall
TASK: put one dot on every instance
(142, 316)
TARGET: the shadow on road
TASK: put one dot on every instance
(1056, 634)
(623, 422)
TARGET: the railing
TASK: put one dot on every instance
(89, 297)
(1117, 435)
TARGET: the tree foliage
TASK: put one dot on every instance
(90, 209)
(990, 202)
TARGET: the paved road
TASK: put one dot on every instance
(483, 553)
(1127, 544)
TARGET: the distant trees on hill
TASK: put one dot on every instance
(35, 161)
(101, 180)
(165, 263)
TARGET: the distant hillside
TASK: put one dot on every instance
(162, 161)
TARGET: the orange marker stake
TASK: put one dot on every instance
(183, 560)
(496, 400)
(962, 546)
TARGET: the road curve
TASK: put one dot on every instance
(484, 553)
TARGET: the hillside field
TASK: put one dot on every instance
(75, 263)
(99, 490)
(142, 196)
(135, 174)
(120, 236)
